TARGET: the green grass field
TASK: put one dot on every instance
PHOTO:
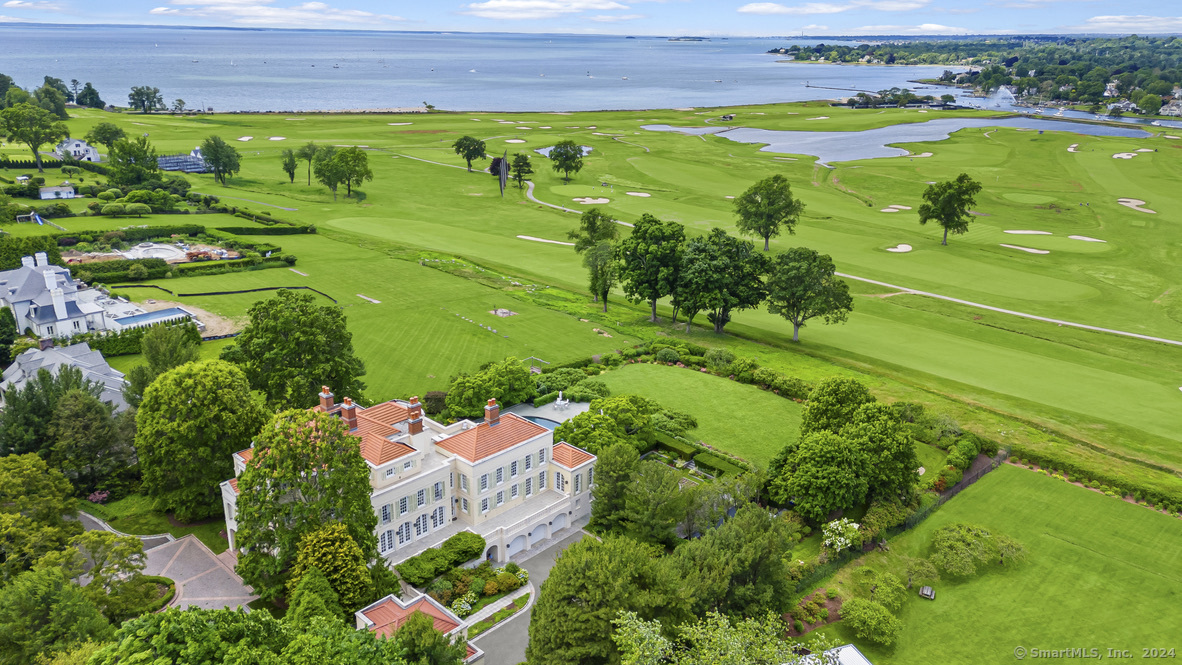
(740, 419)
(134, 514)
(1114, 394)
(1100, 572)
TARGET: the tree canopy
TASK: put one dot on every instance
(521, 168)
(878, 431)
(947, 203)
(614, 474)
(308, 152)
(719, 274)
(832, 403)
(567, 157)
(163, 347)
(353, 166)
(291, 347)
(192, 419)
(89, 97)
(282, 496)
(332, 551)
(650, 260)
(469, 148)
(801, 285)
(145, 98)
(28, 411)
(826, 473)
(508, 381)
(32, 126)
(132, 161)
(43, 613)
(421, 644)
(105, 133)
(89, 446)
(221, 158)
(290, 163)
(36, 513)
(766, 208)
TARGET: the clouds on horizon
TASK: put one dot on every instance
(263, 13)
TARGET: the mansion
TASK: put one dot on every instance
(504, 478)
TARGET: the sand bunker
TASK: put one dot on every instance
(523, 127)
(1124, 155)
(922, 154)
(545, 127)
(730, 197)
(900, 248)
(1086, 239)
(277, 138)
(403, 124)
(592, 127)
(1072, 147)
(1146, 150)
(1030, 250)
(896, 206)
(640, 194)
(820, 117)
(552, 242)
(514, 140)
(1168, 136)
(587, 200)
(889, 210)
(1024, 232)
(599, 134)
(1135, 204)
(245, 138)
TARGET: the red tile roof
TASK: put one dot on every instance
(246, 455)
(387, 413)
(234, 485)
(389, 616)
(471, 651)
(484, 440)
(570, 456)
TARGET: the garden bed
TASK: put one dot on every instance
(500, 615)
(819, 608)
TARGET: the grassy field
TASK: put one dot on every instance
(1119, 396)
(740, 419)
(134, 514)
(1089, 556)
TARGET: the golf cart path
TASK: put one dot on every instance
(1012, 312)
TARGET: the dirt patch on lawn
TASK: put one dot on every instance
(797, 613)
(214, 324)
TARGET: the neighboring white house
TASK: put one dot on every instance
(44, 299)
(63, 191)
(504, 478)
(387, 615)
(76, 149)
(92, 364)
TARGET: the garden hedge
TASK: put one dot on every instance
(460, 548)
(723, 466)
(164, 600)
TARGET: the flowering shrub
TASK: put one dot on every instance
(99, 496)
(463, 605)
(841, 534)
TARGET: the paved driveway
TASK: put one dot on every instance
(202, 578)
(505, 645)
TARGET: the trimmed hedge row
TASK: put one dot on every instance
(124, 342)
(13, 248)
(721, 465)
(266, 230)
(422, 568)
(1121, 486)
(162, 601)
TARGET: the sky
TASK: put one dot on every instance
(637, 17)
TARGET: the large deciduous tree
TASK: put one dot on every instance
(719, 274)
(766, 208)
(421, 644)
(508, 381)
(290, 164)
(42, 613)
(832, 403)
(353, 164)
(329, 170)
(827, 473)
(331, 550)
(947, 203)
(595, 227)
(221, 158)
(33, 126)
(593, 432)
(650, 259)
(469, 148)
(878, 431)
(105, 133)
(591, 582)
(567, 157)
(308, 152)
(291, 347)
(306, 471)
(133, 162)
(871, 621)
(28, 411)
(145, 98)
(200, 636)
(521, 168)
(36, 513)
(88, 445)
(600, 262)
(89, 97)
(163, 347)
(711, 640)
(614, 474)
(801, 285)
(192, 420)
(53, 100)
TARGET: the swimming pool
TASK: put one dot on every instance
(544, 422)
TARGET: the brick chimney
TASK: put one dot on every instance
(45, 343)
(492, 413)
(349, 413)
(326, 398)
(415, 426)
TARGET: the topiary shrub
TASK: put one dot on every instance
(719, 360)
(668, 356)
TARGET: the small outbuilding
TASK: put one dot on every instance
(927, 592)
(65, 191)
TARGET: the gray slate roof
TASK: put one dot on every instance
(94, 368)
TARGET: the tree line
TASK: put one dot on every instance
(332, 166)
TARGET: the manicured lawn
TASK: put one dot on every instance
(134, 514)
(497, 617)
(931, 458)
(1088, 556)
(740, 419)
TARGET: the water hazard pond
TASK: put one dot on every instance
(872, 143)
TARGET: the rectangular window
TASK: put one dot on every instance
(464, 482)
(389, 472)
(484, 482)
(387, 540)
(438, 491)
(578, 483)
(404, 533)
(77, 325)
(484, 505)
(464, 505)
(437, 518)
(590, 476)
(420, 498)
(513, 469)
(420, 526)
(500, 497)
(529, 486)
(514, 491)
(49, 330)
(542, 456)
(403, 506)
(451, 480)
(408, 464)
(500, 474)
(559, 483)
(529, 462)
(386, 516)
(542, 481)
